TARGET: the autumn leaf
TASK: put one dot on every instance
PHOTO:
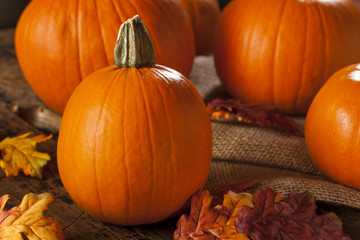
(294, 217)
(28, 219)
(205, 223)
(19, 154)
(252, 113)
(264, 215)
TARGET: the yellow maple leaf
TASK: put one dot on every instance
(28, 219)
(19, 154)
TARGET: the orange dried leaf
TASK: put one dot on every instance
(252, 113)
(28, 219)
(218, 114)
(217, 223)
(19, 154)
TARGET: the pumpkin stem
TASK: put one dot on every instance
(134, 48)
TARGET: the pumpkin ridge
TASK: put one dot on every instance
(128, 190)
(236, 56)
(149, 124)
(322, 20)
(245, 52)
(86, 45)
(175, 30)
(66, 79)
(101, 32)
(28, 14)
(106, 97)
(343, 28)
(300, 86)
(78, 39)
(117, 13)
(233, 37)
(76, 126)
(46, 70)
(170, 127)
(183, 105)
(282, 14)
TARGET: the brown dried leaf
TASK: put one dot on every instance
(294, 217)
(28, 219)
(252, 113)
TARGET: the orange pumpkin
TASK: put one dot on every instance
(280, 52)
(203, 15)
(135, 139)
(58, 43)
(332, 127)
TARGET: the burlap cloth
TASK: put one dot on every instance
(242, 151)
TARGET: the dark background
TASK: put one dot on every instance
(10, 11)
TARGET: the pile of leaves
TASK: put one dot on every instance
(264, 215)
(252, 113)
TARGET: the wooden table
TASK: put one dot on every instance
(75, 223)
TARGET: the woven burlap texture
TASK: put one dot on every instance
(242, 151)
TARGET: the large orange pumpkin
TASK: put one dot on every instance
(58, 43)
(203, 15)
(332, 127)
(280, 52)
(135, 139)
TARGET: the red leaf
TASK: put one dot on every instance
(252, 113)
(293, 218)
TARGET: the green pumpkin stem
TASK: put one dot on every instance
(134, 48)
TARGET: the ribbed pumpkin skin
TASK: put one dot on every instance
(134, 144)
(58, 43)
(280, 52)
(204, 15)
(332, 127)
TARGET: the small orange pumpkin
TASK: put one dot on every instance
(58, 43)
(332, 127)
(135, 139)
(203, 15)
(280, 52)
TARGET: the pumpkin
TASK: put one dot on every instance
(58, 43)
(280, 52)
(135, 140)
(203, 15)
(332, 127)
